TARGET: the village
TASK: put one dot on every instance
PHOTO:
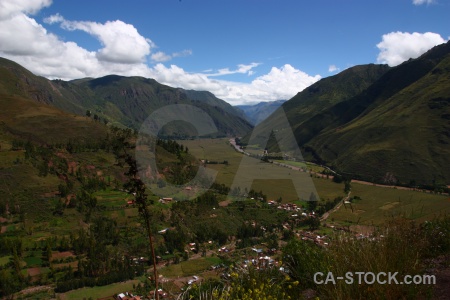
(258, 257)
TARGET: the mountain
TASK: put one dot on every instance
(319, 97)
(120, 100)
(394, 130)
(27, 120)
(256, 113)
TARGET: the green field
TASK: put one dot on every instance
(298, 164)
(272, 180)
(99, 291)
(190, 267)
(377, 204)
(33, 261)
(111, 198)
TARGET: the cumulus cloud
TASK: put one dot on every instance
(283, 83)
(279, 83)
(397, 47)
(242, 69)
(163, 57)
(124, 51)
(122, 42)
(183, 53)
(160, 57)
(9, 8)
(333, 68)
(57, 18)
(420, 2)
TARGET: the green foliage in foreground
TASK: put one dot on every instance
(403, 247)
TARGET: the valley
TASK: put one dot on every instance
(47, 229)
(94, 205)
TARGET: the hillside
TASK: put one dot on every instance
(39, 147)
(123, 101)
(70, 227)
(395, 130)
(313, 100)
(258, 112)
(28, 120)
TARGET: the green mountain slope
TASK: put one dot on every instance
(34, 138)
(395, 130)
(120, 100)
(319, 97)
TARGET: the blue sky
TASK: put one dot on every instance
(242, 51)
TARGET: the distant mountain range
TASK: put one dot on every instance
(256, 113)
(374, 122)
(122, 101)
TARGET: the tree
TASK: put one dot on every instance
(312, 203)
(135, 185)
(347, 186)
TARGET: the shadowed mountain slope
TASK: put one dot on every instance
(386, 124)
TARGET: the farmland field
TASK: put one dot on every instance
(189, 268)
(274, 181)
(99, 291)
(376, 205)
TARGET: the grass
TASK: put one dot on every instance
(379, 204)
(398, 246)
(274, 181)
(220, 150)
(190, 267)
(32, 119)
(214, 260)
(33, 261)
(5, 259)
(40, 295)
(110, 198)
(298, 164)
(98, 291)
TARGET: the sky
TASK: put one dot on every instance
(243, 51)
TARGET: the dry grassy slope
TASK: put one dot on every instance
(18, 81)
(28, 120)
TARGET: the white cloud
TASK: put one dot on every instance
(122, 42)
(333, 68)
(160, 57)
(397, 47)
(163, 57)
(282, 83)
(420, 2)
(124, 52)
(242, 69)
(57, 18)
(25, 41)
(183, 53)
(9, 8)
